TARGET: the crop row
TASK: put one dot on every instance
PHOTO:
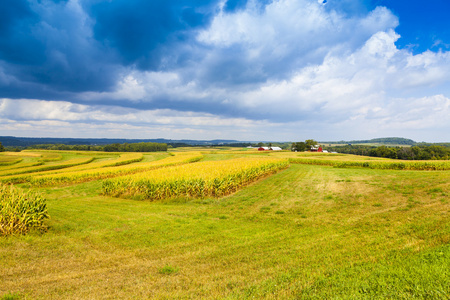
(20, 165)
(124, 159)
(386, 165)
(108, 172)
(202, 179)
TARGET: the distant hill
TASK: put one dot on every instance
(11, 141)
(384, 141)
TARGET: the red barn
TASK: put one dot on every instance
(316, 148)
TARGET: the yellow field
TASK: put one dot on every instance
(195, 180)
(71, 177)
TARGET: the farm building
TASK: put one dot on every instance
(316, 148)
(271, 148)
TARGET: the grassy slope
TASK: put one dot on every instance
(307, 232)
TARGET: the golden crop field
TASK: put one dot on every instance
(71, 177)
(195, 180)
(46, 167)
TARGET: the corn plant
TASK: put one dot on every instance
(21, 211)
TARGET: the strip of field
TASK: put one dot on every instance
(108, 172)
(20, 165)
(383, 165)
(9, 160)
(27, 159)
(122, 159)
(213, 178)
(25, 153)
(6, 175)
(51, 156)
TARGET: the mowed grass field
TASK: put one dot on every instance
(308, 231)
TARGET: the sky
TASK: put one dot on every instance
(249, 70)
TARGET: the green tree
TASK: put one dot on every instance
(310, 143)
(299, 146)
(2, 148)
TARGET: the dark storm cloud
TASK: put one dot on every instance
(147, 33)
(17, 43)
(46, 49)
(51, 48)
(235, 5)
(57, 49)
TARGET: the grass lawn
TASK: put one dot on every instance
(308, 232)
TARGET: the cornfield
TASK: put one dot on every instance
(21, 211)
(62, 165)
(123, 159)
(202, 179)
(108, 172)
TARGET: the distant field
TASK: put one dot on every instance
(290, 226)
(366, 144)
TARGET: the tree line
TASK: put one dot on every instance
(421, 152)
(384, 141)
(126, 147)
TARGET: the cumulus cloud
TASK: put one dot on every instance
(285, 36)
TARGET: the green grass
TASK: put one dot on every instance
(308, 232)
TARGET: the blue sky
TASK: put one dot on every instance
(280, 70)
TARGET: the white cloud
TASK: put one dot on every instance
(130, 87)
(35, 115)
(299, 31)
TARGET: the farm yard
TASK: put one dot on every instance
(204, 223)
